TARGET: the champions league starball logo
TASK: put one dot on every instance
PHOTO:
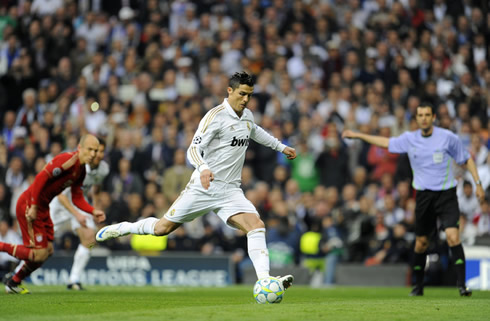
(197, 140)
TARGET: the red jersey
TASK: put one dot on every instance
(61, 172)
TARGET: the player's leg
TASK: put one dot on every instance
(150, 225)
(185, 208)
(254, 227)
(37, 237)
(25, 251)
(33, 249)
(13, 285)
(82, 255)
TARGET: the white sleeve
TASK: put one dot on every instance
(262, 137)
(208, 127)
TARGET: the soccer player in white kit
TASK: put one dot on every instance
(64, 214)
(218, 152)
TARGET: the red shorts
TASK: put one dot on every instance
(38, 233)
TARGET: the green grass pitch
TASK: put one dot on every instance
(236, 303)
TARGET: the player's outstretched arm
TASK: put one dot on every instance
(371, 139)
(289, 152)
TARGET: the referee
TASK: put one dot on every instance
(431, 150)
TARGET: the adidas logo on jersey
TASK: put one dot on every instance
(239, 141)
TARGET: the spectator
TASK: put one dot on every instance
(383, 162)
(332, 163)
(176, 177)
(467, 200)
(303, 169)
(125, 182)
(30, 110)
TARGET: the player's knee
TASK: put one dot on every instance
(258, 224)
(162, 229)
(88, 238)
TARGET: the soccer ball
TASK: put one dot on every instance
(268, 290)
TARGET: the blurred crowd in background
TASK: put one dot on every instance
(156, 67)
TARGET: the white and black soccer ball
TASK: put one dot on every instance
(268, 290)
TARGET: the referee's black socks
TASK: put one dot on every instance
(458, 259)
(418, 267)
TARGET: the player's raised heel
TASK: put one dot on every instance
(286, 280)
(12, 287)
(110, 232)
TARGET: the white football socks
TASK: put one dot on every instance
(144, 226)
(82, 256)
(258, 253)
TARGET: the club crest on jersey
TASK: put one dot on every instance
(56, 171)
(39, 238)
(239, 141)
(197, 140)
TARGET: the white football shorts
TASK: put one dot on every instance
(225, 200)
(64, 220)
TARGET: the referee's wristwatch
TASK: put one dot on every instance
(478, 182)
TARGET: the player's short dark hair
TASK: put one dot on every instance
(241, 78)
(101, 141)
(425, 105)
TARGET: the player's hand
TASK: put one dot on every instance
(289, 152)
(206, 178)
(480, 193)
(31, 214)
(349, 134)
(82, 219)
(99, 215)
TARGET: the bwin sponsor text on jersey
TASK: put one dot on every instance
(239, 141)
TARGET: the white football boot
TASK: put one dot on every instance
(286, 280)
(110, 232)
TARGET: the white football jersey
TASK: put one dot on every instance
(92, 177)
(221, 141)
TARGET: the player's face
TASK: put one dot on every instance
(239, 98)
(88, 150)
(98, 157)
(425, 118)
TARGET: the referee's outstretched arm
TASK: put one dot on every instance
(371, 139)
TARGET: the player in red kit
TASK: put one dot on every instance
(65, 170)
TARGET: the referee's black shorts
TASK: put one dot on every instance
(431, 205)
